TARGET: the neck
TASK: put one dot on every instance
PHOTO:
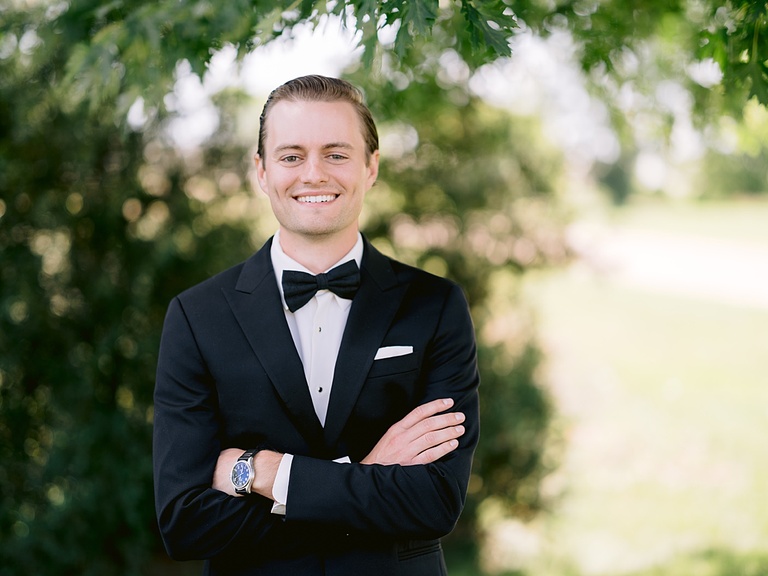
(317, 253)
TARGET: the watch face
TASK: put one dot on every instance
(241, 475)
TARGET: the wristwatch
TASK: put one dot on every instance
(243, 472)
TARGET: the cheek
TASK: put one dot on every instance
(276, 188)
(275, 179)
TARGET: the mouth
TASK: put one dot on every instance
(317, 199)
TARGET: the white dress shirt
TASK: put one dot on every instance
(317, 328)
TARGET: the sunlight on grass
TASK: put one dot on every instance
(663, 405)
(739, 219)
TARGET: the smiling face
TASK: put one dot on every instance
(315, 170)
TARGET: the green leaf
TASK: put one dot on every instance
(420, 16)
(758, 75)
(482, 35)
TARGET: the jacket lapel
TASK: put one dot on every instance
(255, 302)
(373, 308)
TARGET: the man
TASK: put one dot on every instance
(315, 432)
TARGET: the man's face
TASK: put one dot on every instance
(314, 168)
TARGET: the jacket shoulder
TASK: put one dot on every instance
(213, 285)
(421, 278)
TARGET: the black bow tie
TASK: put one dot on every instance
(299, 287)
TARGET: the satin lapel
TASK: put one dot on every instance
(373, 308)
(255, 302)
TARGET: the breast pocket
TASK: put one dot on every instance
(394, 365)
(391, 390)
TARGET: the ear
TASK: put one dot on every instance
(373, 168)
(261, 173)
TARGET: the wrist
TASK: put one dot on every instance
(266, 464)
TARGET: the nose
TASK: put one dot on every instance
(314, 170)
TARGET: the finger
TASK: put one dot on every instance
(432, 439)
(436, 423)
(435, 453)
(416, 434)
(424, 411)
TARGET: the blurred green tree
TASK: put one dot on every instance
(738, 164)
(96, 234)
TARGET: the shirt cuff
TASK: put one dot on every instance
(280, 487)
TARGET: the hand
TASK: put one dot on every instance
(265, 465)
(422, 437)
(222, 475)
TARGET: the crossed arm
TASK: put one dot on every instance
(423, 436)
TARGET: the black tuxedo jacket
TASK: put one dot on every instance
(229, 375)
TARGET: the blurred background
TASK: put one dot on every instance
(592, 172)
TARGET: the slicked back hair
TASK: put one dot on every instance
(315, 88)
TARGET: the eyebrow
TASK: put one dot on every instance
(329, 146)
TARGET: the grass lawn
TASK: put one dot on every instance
(663, 410)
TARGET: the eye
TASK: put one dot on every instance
(337, 157)
(290, 159)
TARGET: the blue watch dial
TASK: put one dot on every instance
(241, 475)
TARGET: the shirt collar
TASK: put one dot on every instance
(281, 261)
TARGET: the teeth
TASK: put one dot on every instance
(316, 199)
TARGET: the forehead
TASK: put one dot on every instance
(308, 123)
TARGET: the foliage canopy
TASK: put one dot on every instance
(125, 49)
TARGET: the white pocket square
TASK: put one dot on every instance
(392, 351)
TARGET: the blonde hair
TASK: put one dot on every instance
(315, 88)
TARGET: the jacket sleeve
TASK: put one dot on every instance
(195, 520)
(420, 501)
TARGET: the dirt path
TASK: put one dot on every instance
(729, 271)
